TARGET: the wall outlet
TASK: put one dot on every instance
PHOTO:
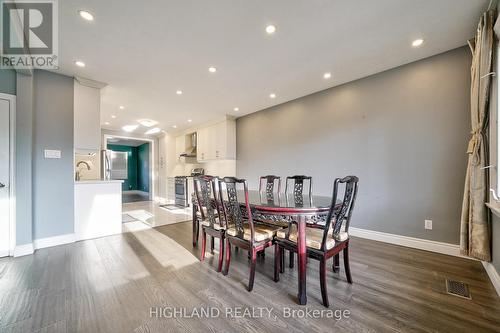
(48, 153)
(428, 224)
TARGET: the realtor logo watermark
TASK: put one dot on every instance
(169, 312)
(29, 36)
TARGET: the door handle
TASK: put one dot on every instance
(2, 185)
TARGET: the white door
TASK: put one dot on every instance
(4, 177)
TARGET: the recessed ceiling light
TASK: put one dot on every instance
(236, 109)
(175, 126)
(271, 29)
(86, 15)
(113, 116)
(417, 42)
(179, 92)
(212, 69)
(327, 75)
(153, 131)
(130, 128)
(121, 107)
(147, 122)
(190, 120)
(106, 123)
(272, 95)
(80, 63)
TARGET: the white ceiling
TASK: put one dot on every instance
(146, 50)
(125, 142)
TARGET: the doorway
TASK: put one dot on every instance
(7, 208)
(131, 161)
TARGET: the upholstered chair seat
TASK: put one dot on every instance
(216, 225)
(262, 232)
(314, 237)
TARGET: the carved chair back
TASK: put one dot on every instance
(269, 183)
(205, 189)
(297, 187)
(341, 214)
(232, 208)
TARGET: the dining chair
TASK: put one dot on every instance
(325, 243)
(269, 183)
(297, 188)
(205, 189)
(298, 182)
(241, 230)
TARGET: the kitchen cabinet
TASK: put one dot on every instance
(97, 208)
(217, 142)
(180, 145)
(87, 118)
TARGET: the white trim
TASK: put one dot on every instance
(23, 250)
(54, 241)
(493, 274)
(416, 243)
(136, 192)
(12, 171)
(41, 243)
(152, 165)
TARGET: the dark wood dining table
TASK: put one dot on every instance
(294, 209)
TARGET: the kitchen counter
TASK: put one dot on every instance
(97, 181)
(98, 208)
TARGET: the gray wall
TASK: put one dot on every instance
(8, 81)
(404, 132)
(53, 185)
(24, 150)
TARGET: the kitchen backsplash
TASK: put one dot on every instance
(93, 162)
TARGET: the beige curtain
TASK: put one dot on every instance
(475, 228)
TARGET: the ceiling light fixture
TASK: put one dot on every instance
(270, 29)
(179, 92)
(106, 123)
(417, 42)
(113, 116)
(327, 75)
(212, 69)
(80, 63)
(236, 109)
(153, 131)
(175, 126)
(147, 122)
(130, 128)
(190, 120)
(86, 15)
(121, 107)
(272, 95)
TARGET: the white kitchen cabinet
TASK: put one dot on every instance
(97, 208)
(217, 142)
(202, 144)
(180, 145)
(87, 118)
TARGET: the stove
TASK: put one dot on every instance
(182, 189)
(181, 195)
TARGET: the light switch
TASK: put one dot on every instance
(48, 153)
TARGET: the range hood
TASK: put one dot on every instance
(190, 150)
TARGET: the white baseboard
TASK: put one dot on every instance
(54, 241)
(4, 253)
(416, 243)
(136, 192)
(493, 274)
(23, 250)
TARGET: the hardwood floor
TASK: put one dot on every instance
(110, 284)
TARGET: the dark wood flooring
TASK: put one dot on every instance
(110, 284)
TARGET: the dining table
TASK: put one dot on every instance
(298, 209)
